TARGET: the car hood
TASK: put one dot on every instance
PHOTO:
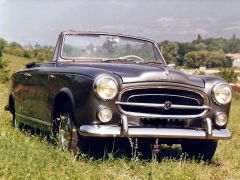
(133, 73)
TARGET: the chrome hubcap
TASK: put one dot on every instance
(64, 131)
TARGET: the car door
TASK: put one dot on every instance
(19, 91)
(36, 80)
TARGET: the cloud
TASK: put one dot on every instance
(166, 21)
(121, 3)
(200, 31)
(174, 22)
(194, 31)
(232, 28)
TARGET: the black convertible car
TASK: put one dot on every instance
(109, 85)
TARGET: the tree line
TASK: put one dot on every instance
(210, 52)
(37, 51)
(200, 52)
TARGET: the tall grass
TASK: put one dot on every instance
(25, 156)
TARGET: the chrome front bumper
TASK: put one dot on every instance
(125, 131)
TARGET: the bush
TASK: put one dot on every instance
(229, 75)
(4, 76)
(236, 92)
(198, 72)
(210, 59)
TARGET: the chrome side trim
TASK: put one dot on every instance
(115, 131)
(153, 105)
(33, 119)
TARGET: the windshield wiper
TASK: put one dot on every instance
(152, 62)
(116, 59)
(131, 57)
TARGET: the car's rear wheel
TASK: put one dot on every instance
(199, 149)
(15, 123)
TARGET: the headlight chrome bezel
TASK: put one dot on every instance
(97, 82)
(214, 93)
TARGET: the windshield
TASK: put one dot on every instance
(108, 47)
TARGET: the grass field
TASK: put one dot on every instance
(25, 156)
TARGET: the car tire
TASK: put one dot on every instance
(15, 123)
(65, 132)
(199, 149)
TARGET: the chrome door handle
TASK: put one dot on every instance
(27, 75)
(52, 76)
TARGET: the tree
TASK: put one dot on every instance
(1, 63)
(170, 51)
(4, 73)
(199, 38)
(229, 75)
(184, 48)
(234, 37)
(3, 43)
(210, 59)
(37, 46)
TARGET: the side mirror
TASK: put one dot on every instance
(172, 66)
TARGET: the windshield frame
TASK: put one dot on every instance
(62, 58)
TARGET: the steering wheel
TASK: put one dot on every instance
(133, 56)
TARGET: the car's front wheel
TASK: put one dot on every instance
(199, 149)
(65, 132)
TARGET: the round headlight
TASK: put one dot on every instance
(221, 118)
(106, 88)
(222, 93)
(104, 114)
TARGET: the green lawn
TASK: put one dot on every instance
(25, 156)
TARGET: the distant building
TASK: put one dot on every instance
(202, 68)
(236, 63)
(236, 59)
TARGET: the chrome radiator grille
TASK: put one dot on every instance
(164, 102)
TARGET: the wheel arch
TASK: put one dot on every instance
(64, 95)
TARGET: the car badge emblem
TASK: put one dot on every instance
(167, 105)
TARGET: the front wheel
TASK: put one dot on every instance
(199, 149)
(65, 132)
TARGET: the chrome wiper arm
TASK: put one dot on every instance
(133, 58)
(117, 59)
(109, 59)
(152, 62)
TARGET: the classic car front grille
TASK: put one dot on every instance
(164, 102)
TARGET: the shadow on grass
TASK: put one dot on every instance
(103, 149)
(108, 148)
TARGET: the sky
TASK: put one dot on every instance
(34, 21)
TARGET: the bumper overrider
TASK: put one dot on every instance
(127, 131)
